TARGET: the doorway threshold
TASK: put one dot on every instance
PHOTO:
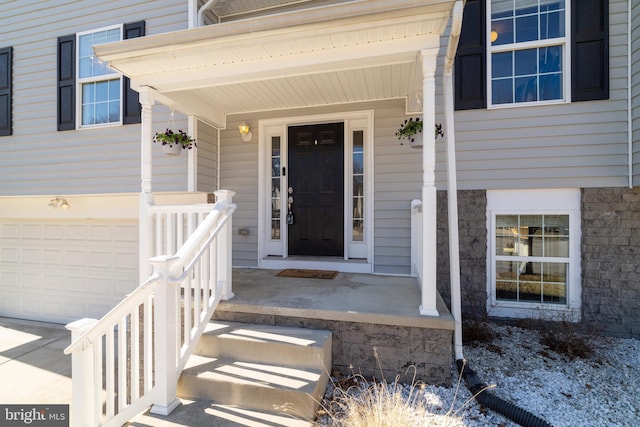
(317, 263)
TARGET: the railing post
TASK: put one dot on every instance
(82, 377)
(224, 248)
(416, 239)
(165, 337)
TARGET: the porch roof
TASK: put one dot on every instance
(340, 53)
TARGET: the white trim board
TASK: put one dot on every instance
(356, 254)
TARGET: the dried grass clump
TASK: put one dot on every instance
(476, 331)
(566, 338)
(381, 404)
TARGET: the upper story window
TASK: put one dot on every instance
(99, 87)
(91, 94)
(528, 44)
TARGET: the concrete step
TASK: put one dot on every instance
(284, 345)
(276, 370)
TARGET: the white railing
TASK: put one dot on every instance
(172, 225)
(416, 240)
(132, 357)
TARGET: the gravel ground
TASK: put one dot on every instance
(601, 390)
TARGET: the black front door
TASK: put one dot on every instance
(316, 185)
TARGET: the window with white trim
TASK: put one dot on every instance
(533, 257)
(99, 87)
(528, 58)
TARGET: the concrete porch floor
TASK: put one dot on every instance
(352, 297)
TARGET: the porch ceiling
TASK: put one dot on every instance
(356, 51)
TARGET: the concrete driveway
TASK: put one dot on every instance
(33, 367)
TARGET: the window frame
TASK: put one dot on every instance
(564, 42)
(536, 202)
(81, 81)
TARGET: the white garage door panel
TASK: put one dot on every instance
(60, 271)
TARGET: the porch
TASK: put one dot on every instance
(370, 317)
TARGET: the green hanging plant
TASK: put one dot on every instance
(411, 127)
(171, 138)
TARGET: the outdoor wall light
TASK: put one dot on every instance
(59, 203)
(245, 132)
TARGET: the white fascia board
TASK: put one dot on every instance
(203, 48)
(332, 18)
(339, 59)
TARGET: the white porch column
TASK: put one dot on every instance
(147, 99)
(429, 291)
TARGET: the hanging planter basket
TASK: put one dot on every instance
(174, 142)
(416, 141)
(172, 150)
(411, 130)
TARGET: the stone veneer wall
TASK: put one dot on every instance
(611, 260)
(610, 257)
(356, 345)
(472, 219)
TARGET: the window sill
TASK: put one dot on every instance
(100, 126)
(552, 312)
(528, 104)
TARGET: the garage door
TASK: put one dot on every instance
(64, 270)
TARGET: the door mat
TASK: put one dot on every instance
(307, 274)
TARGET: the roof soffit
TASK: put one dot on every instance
(176, 63)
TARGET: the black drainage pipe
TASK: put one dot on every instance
(493, 402)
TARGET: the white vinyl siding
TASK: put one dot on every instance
(398, 180)
(207, 170)
(635, 89)
(239, 173)
(37, 159)
(581, 144)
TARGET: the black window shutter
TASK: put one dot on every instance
(130, 101)
(470, 64)
(67, 82)
(6, 89)
(589, 50)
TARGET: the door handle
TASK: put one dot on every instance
(289, 206)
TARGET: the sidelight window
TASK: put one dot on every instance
(358, 186)
(276, 180)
